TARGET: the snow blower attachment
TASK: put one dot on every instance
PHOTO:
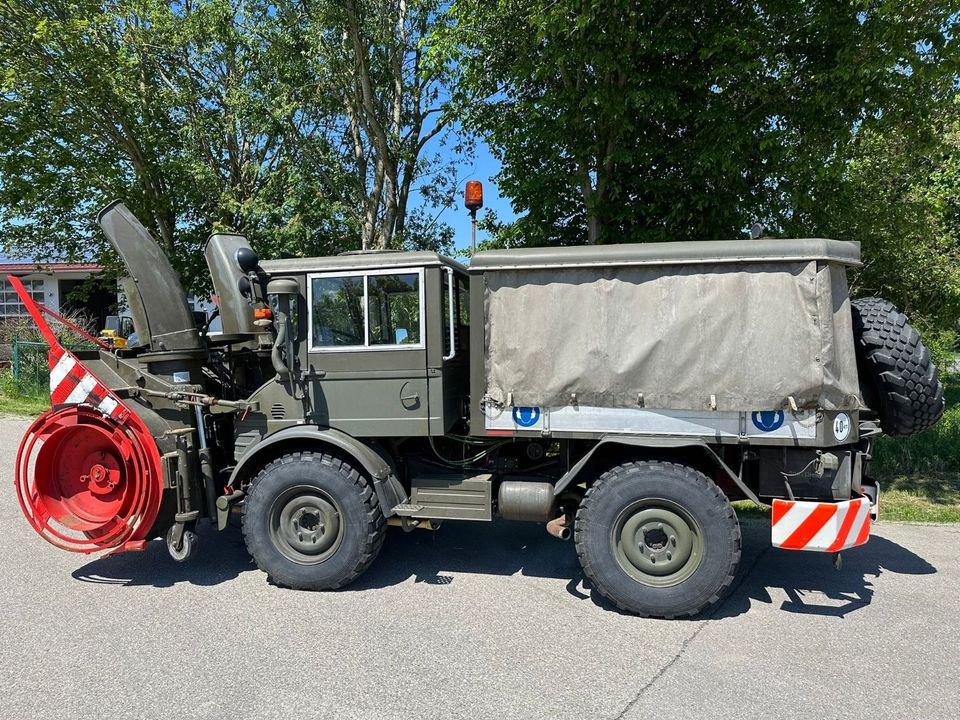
(92, 471)
(88, 474)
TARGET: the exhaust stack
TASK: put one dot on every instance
(156, 288)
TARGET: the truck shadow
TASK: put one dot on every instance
(499, 548)
(808, 580)
(427, 556)
(219, 557)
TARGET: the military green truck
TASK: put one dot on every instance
(622, 396)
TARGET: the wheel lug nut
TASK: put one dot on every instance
(673, 539)
(669, 556)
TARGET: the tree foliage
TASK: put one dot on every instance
(315, 126)
(902, 203)
(205, 115)
(371, 54)
(618, 120)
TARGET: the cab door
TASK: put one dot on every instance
(366, 353)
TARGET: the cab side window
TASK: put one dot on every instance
(337, 311)
(393, 306)
(366, 310)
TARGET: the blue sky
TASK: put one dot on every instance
(484, 167)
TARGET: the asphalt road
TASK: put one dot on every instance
(473, 621)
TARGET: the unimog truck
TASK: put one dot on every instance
(620, 395)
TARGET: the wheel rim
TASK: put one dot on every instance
(657, 542)
(305, 525)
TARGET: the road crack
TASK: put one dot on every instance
(693, 636)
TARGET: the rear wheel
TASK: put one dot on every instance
(658, 539)
(312, 522)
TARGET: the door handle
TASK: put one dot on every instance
(411, 398)
(453, 341)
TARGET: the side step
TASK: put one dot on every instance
(448, 496)
(406, 509)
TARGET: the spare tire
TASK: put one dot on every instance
(898, 380)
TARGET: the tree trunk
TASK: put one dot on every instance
(594, 225)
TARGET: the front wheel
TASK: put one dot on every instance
(658, 539)
(312, 522)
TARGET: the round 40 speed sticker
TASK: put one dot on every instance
(841, 427)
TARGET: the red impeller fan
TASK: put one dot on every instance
(88, 474)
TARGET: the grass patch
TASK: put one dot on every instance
(926, 497)
(18, 400)
(929, 498)
(747, 510)
(935, 451)
(919, 476)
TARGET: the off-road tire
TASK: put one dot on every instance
(360, 516)
(621, 488)
(898, 380)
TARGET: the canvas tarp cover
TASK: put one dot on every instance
(745, 336)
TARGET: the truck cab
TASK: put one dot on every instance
(381, 341)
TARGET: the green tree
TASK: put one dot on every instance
(901, 201)
(372, 54)
(205, 115)
(189, 113)
(625, 121)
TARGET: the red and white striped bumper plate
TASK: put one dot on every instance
(820, 526)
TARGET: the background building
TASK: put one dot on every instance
(57, 285)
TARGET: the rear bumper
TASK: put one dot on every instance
(820, 526)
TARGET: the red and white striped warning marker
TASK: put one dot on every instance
(72, 384)
(820, 526)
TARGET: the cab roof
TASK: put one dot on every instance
(374, 260)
